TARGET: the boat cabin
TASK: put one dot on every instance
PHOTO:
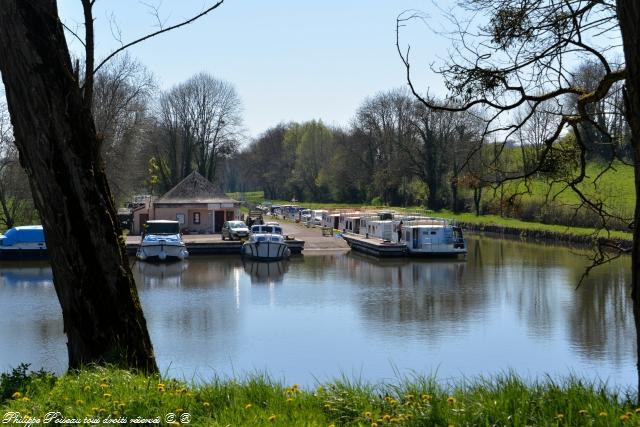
(266, 229)
(434, 238)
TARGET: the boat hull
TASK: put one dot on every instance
(266, 251)
(382, 248)
(162, 252)
(26, 254)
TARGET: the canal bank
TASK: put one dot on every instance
(546, 236)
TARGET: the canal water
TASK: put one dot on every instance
(509, 306)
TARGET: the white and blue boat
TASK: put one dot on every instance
(23, 242)
(162, 241)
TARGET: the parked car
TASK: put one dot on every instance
(234, 230)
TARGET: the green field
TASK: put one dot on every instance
(506, 400)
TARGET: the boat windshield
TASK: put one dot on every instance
(162, 228)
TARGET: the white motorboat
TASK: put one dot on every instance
(266, 243)
(162, 241)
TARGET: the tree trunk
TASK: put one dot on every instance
(629, 17)
(56, 139)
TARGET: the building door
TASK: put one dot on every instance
(219, 221)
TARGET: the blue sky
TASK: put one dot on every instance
(289, 60)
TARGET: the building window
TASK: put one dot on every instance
(196, 217)
(180, 218)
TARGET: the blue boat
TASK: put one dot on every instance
(23, 242)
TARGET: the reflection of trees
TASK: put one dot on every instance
(539, 282)
(600, 320)
(429, 295)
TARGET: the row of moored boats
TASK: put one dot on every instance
(384, 233)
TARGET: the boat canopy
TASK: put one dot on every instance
(22, 234)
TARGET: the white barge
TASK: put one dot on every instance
(386, 235)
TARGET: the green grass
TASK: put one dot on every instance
(258, 400)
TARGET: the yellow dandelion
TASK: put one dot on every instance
(629, 414)
(106, 395)
(367, 414)
(624, 418)
(248, 406)
(79, 402)
(95, 409)
(450, 425)
(603, 414)
(327, 406)
(386, 417)
(559, 416)
(409, 396)
(426, 398)
(451, 400)
(104, 385)
(179, 411)
(121, 406)
(582, 412)
(87, 388)
(637, 410)
(161, 385)
(102, 410)
(374, 424)
(26, 399)
(332, 425)
(295, 388)
(104, 379)
(272, 418)
(16, 395)
(206, 404)
(290, 399)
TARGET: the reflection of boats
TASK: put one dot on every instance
(25, 242)
(266, 243)
(162, 274)
(37, 274)
(265, 272)
(162, 241)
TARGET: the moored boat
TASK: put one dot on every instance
(266, 243)
(162, 241)
(23, 242)
(407, 235)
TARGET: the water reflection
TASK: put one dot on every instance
(265, 272)
(508, 305)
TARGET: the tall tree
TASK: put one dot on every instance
(200, 121)
(514, 59)
(122, 90)
(50, 108)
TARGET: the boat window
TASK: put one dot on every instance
(433, 232)
(277, 230)
(162, 227)
(262, 239)
(268, 229)
(275, 239)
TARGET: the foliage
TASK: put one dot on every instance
(258, 400)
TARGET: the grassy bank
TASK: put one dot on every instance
(110, 394)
